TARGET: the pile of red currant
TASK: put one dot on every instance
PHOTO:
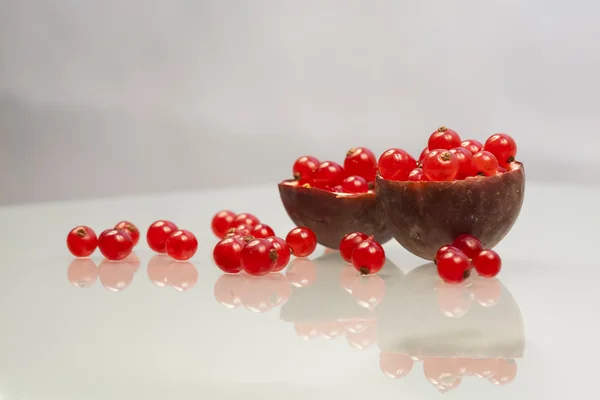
(248, 245)
(456, 260)
(118, 243)
(363, 252)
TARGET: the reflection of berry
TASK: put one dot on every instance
(329, 329)
(133, 261)
(305, 330)
(115, 276)
(486, 291)
(82, 272)
(363, 339)
(453, 299)
(347, 277)
(368, 291)
(506, 372)
(158, 269)
(182, 276)
(446, 386)
(483, 367)
(227, 290)
(395, 365)
(301, 272)
(356, 325)
(261, 294)
(441, 371)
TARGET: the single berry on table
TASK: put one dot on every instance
(474, 146)
(227, 255)
(221, 222)
(355, 184)
(368, 257)
(443, 138)
(283, 252)
(485, 163)
(262, 231)
(468, 244)
(82, 241)
(487, 263)
(131, 229)
(362, 162)
(328, 174)
(396, 164)
(302, 241)
(115, 244)
(440, 165)
(444, 249)
(453, 266)
(305, 167)
(181, 245)
(246, 219)
(158, 233)
(349, 242)
(503, 147)
(259, 257)
(465, 163)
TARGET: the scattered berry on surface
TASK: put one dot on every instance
(131, 229)
(82, 241)
(258, 257)
(368, 257)
(246, 219)
(487, 263)
(221, 222)
(158, 233)
(283, 252)
(349, 242)
(302, 241)
(181, 245)
(468, 244)
(227, 254)
(262, 231)
(115, 244)
(453, 266)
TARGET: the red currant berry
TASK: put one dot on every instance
(328, 174)
(424, 154)
(355, 184)
(443, 138)
(245, 219)
(396, 164)
(468, 244)
(485, 163)
(487, 263)
(227, 255)
(241, 230)
(158, 233)
(221, 222)
(283, 252)
(503, 147)
(305, 167)
(474, 146)
(181, 245)
(115, 244)
(501, 170)
(337, 189)
(259, 257)
(465, 163)
(131, 229)
(440, 165)
(82, 241)
(302, 241)
(453, 266)
(416, 175)
(444, 249)
(349, 242)
(362, 162)
(368, 257)
(262, 231)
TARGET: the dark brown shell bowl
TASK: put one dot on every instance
(333, 215)
(423, 216)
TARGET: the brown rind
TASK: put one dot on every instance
(423, 216)
(331, 216)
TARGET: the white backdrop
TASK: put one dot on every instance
(118, 97)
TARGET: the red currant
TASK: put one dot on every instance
(468, 244)
(258, 257)
(453, 266)
(337, 189)
(423, 154)
(283, 252)
(115, 244)
(221, 222)
(485, 163)
(245, 219)
(181, 245)
(131, 229)
(396, 164)
(349, 242)
(368, 257)
(82, 241)
(465, 163)
(487, 263)
(443, 138)
(474, 146)
(440, 165)
(328, 174)
(362, 162)
(355, 184)
(503, 147)
(227, 255)
(302, 241)
(262, 231)
(241, 230)
(444, 249)
(416, 175)
(305, 167)
(158, 233)
(501, 170)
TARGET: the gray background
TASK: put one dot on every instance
(119, 97)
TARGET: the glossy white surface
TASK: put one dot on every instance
(130, 335)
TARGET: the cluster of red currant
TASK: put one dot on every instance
(455, 261)
(363, 252)
(246, 244)
(117, 243)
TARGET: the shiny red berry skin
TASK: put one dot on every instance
(221, 222)
(349, 243)
(355, 184)
(181, 245)
(227, 254)
(465, 163)
(474, 146)
(396, 164)
(245, 219)
(440, 165)
(302, 241)
(82, 241)
(241, 230)
(416, 175)
(305, 167)
(368, 257)
(328, 175)
(259, 257)
(131, 229)
(503, 147)
(443, 138)
(423, 154)
(468, 244)
(485, 163)
(283, 252)
(453, 266)
(487, 263)
(501, 170)
(262, 231)
(361, 161)
(158, 233)
(444, 249)
(115, 244)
